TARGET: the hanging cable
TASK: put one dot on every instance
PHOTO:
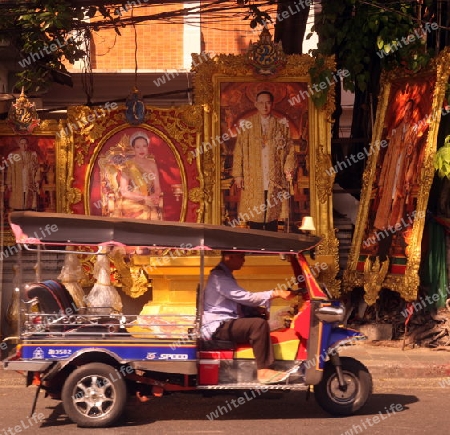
(135, 51)
(135, 108)
(87, 78)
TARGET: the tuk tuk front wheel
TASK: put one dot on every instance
(94, 395)
(341, 402)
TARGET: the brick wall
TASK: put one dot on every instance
(229, 33)
(160, 45)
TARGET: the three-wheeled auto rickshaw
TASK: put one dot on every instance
(94, 358)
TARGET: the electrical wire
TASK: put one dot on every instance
(135, 54)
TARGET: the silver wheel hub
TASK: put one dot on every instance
(94, 396)
(339, 395)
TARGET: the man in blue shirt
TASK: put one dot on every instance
(224, 307)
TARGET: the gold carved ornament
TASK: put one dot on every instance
(266, 56)
(329, 248)
(85, 125)
(123, 273)
(141, 284)
(22, 115)
(325, 175)
(197, 194)
(73, 195)
(181, 124)
(132, 278)
(227, 65)
(374, 275)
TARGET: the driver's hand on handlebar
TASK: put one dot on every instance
(284, 294)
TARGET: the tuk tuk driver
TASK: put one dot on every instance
(224, 310)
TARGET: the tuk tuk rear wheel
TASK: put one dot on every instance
(94, 395)
(344, 402)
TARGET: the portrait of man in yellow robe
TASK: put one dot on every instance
(23, 177)
(263, 166)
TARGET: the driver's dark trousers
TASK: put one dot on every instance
(253, 330)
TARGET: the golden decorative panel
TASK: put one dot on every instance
(386, 247)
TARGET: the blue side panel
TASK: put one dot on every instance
(331, 336)
(326, 332)
(340, 334)
(128, 353)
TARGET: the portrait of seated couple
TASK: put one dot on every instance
(130, 180)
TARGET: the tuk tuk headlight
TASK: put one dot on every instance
(330, 313)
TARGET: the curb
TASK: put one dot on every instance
(389, 362)
(397, 370)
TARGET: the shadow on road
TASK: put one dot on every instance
(243, 405)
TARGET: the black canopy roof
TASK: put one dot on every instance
(58, 228)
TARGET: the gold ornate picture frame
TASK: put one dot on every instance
(227, 86)
(386, 247)
(104, 155)
(44, 158)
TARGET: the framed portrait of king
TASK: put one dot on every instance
(264, 153)
(265, 144)
(31, 169)
(386, 248)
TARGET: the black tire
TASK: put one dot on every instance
(359, 388)
(94, 395)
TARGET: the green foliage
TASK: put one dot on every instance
(258, 16)
(44, 33)
(319, 74)
(442, 159)
(360, 35)
(33, 25)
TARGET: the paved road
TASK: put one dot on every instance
(407, 407)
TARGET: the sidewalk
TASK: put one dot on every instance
(388, 360)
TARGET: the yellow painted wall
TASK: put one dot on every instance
(175, 279)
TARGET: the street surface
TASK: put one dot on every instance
(397, 406)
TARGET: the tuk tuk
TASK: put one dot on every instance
(94, 358)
